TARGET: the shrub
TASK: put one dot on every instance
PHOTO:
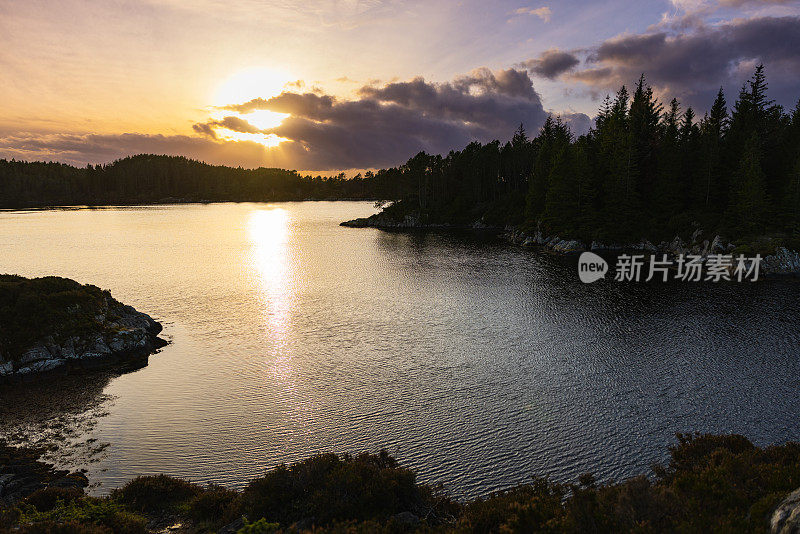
(259, 527)
(72, 527)
(89, 512)
(45, 499)
(155, 493)
(215, 505)
(525, 508)
(328, 487)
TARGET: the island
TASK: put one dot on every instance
(54, 325)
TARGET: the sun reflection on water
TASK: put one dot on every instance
(268, 230)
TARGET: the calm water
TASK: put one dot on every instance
(476, 363)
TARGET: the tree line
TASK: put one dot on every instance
(647, 169)
(148, 178)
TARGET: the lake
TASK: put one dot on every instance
(476, 363)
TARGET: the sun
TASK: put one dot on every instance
(247, 84)
(244, 86)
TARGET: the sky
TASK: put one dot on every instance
(327, 86)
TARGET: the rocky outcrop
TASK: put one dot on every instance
(382, 220)
(410, 221)
(786, 517)
(120, 337)
(22, 473)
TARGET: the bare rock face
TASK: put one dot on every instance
(786, 517)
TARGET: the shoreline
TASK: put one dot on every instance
(169, 202)
(781, 262)
(754, 490)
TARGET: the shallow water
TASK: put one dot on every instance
(476, 363)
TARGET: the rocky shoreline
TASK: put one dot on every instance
(782, 262)
(411, 221)
(22, 472)
(117, 336)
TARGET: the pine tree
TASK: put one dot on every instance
(750, 199)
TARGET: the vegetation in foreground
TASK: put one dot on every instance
(711, 484)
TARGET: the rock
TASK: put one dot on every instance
(100, 346)
(676, 247)
(22, 472)
(717, 246)
(646, 245)
(38, 352)
(696, 236)
(45, 366)
(567, 247)
(68, 349)
(406, 518)
(596, 245)
(786, 517)
(128, 340)
(783, 261)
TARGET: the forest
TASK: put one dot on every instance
(148, 178)
(646, 170)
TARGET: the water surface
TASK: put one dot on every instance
(476, 363)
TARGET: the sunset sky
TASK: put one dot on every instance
(336, 85)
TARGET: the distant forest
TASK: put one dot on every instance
(149, 178)
(646, 169)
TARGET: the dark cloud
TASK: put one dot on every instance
(286, 102)
(552, 63)
(693, 65)
(382, 126)
(387, 124)
(235, 124)
(205, 129)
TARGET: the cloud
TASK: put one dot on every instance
(543, 12)
(232, 123)
(80, 149)
(551, 63)
(383, 125)
(386, 124)
(692, 65)
(205, 129)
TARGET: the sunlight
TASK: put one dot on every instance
(246, 85)
(268, 140)
(269, 232)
